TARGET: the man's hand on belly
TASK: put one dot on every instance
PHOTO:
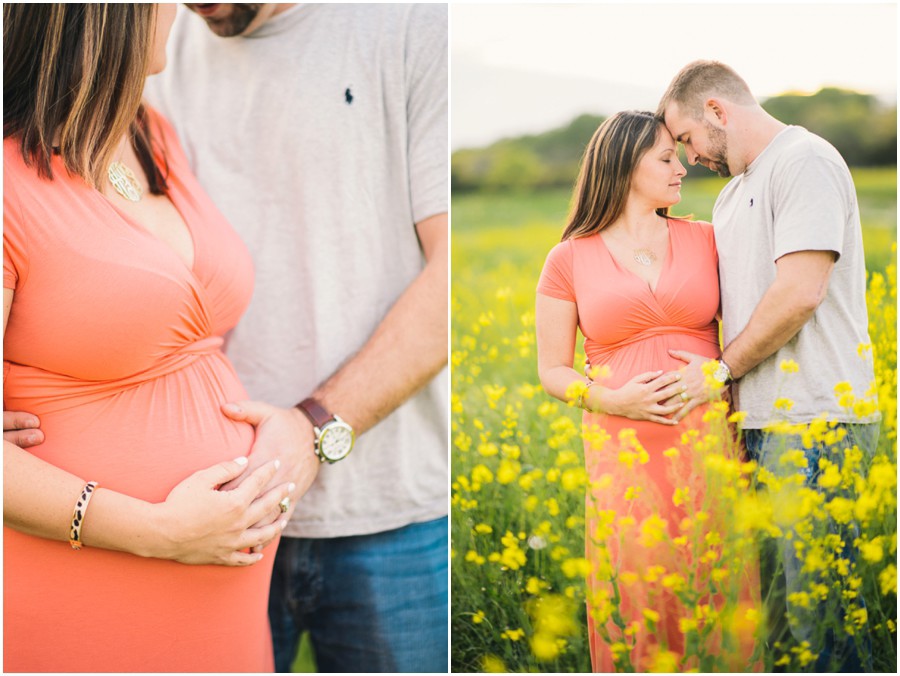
(283, 434)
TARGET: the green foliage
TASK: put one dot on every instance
(863, 130)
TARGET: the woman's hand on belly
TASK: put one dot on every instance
(641, 398)
(283, 434)
(697, 390)
(200, 524)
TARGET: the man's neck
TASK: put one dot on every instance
(759, 129)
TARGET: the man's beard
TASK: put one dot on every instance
(718, 149)
(236, 22)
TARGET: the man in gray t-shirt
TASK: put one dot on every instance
(792, 276)
(320, 131)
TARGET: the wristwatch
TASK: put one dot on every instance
(722, 373)
(334, 438)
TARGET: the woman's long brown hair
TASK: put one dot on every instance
(73, 76)
(606, 169)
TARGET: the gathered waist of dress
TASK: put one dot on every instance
(37, 390)
(704, 340)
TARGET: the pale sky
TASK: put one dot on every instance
(526, 68)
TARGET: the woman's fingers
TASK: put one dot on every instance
(254, 538)
(215, 476)
(648, 377)
(241, 558)
(667, 408)
(256, 481)
(662, 421)
(671, 392)
(260, 511)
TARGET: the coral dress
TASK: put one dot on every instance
(629, 329)
(116, 344)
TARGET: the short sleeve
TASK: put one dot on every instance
(557, 279)
(427, 106)
(708, 233)
(811, 199)
(15, 259)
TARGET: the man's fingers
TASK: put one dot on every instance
(24, 438)
(17, 420)
(253, 412)
(683, 356)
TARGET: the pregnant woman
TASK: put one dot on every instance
(120, 279)
(638, 283)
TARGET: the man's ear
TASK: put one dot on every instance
(714, 111)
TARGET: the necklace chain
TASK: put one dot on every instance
(125, 182)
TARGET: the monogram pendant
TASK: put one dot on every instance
(124, 181)
(644, 256)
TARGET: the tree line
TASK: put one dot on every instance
(863, 130)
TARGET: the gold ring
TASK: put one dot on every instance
(684, 396)
(284, 505)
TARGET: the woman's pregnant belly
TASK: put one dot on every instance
(649, 354)
(145, 439)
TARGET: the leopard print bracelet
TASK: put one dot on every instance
(78, 517)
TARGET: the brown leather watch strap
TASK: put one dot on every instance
(316, 413)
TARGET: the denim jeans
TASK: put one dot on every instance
(371, 603)
(841, 651)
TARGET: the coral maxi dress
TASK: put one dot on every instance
(115, 343)
(629, 328)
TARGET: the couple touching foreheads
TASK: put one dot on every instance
(781, 266)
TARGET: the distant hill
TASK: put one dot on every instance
(858, 125)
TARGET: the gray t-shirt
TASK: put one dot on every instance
(797, 195)
(322, 137)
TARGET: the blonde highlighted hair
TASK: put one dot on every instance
(609, 161)
(73, 76)
(699, 80)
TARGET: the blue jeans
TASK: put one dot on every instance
(371, 603)
(840, 652)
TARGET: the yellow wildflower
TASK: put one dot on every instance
(513, 634)
(872, 551)
(651, 615)
(576, 567)
(784, 404)
(887, 580)
(491, 664)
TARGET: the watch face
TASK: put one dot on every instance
(721, 374)
(336, 441)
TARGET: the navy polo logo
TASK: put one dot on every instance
(348, 97)
(751, 201)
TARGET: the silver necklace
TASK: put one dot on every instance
(644, 256)
(124, 181)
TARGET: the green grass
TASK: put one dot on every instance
(305, 663)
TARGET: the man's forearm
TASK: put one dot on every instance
(780, 315)
(406, 351)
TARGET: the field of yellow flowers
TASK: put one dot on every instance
(519, 567)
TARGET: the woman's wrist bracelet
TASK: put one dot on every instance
(78, 516)
(583, 397)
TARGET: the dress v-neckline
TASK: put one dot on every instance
(191, 266)
(662, 270)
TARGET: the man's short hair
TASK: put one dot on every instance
(697, 81)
